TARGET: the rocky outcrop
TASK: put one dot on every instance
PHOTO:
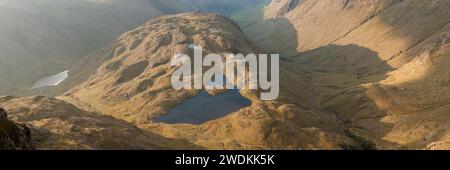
(3, 114)
(13, 136)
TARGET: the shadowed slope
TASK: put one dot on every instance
(388, 87)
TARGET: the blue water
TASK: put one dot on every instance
(205, 107)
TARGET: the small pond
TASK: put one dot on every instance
(205, 107)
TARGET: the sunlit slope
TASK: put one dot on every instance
(409, 108)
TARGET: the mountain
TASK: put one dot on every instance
(380, 66)
(354, 75)
(130, 80)
(39, 38)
